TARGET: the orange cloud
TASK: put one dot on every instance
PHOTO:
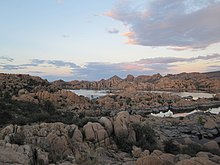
(132, 67)
(130, 36)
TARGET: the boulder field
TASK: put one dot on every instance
(95, 142)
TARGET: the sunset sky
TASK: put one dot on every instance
(95, 39)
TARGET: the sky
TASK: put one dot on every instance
(93, 39)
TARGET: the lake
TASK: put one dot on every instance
(92, 94)
(98, 93)
(195, 95)
(170, 113)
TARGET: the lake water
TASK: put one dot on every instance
(170, 113)
(195, 95)
(92, 94)
(98, 93)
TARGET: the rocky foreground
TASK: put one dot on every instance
(41, 123)
(123, 139)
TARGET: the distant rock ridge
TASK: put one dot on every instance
(194, 81)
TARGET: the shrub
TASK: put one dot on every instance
(37, 117)
(6, 96)
(123, 144)
(145, 137)
(17, 138)
(5, 117)
(170, 147)
(20, 120)
(191, 149)
(49, 107)
(200, 120)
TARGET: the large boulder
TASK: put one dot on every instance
(210, 124)
(213, 158)
(136, 151)
(55, 138)
(16, 155)
(149, 160)
(96, 133)
(196, 161)
(212, 145)
(107, 124)
(121, 124)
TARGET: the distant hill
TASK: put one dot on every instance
(194, 81)
(213, 75)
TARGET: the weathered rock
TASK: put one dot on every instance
(210, 124)
(180, 157)
(41, 156)
(145, 153)
(149, 160)
(165, 157)
(95, 132)
(107, 124)
(212, 145)
(156, 153)
(22, 91)
(74, 133)
(136, 151)
(213, 158)
(196, 161)
(16, 155)
(129, 77)
(121, 124)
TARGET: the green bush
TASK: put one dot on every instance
(170, 147)
(49, 107)
(5, 117)
(145, 137)
(6, 96)
(17, 138)
(123, 144)
(191, 149)
(38, 117)
(200, 120)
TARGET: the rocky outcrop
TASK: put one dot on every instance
(61, 98)
(55, 138)
(158, 157)
(21, 154)
(179, 82)
(123, 126)
(107, 124)
(96, 133)
(22, 83)
(149, 160)
(212, 145)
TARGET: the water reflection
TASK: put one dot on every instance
(171, 114)
(92, 94)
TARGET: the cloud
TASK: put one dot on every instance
(37, 63)
(214, 67)
(185, 24)
(99, 70)
(166, 60)
(11, 67)
(56, 63)
(113, 31)
(6, 59)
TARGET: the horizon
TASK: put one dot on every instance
(78, 40)
(123, 78)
